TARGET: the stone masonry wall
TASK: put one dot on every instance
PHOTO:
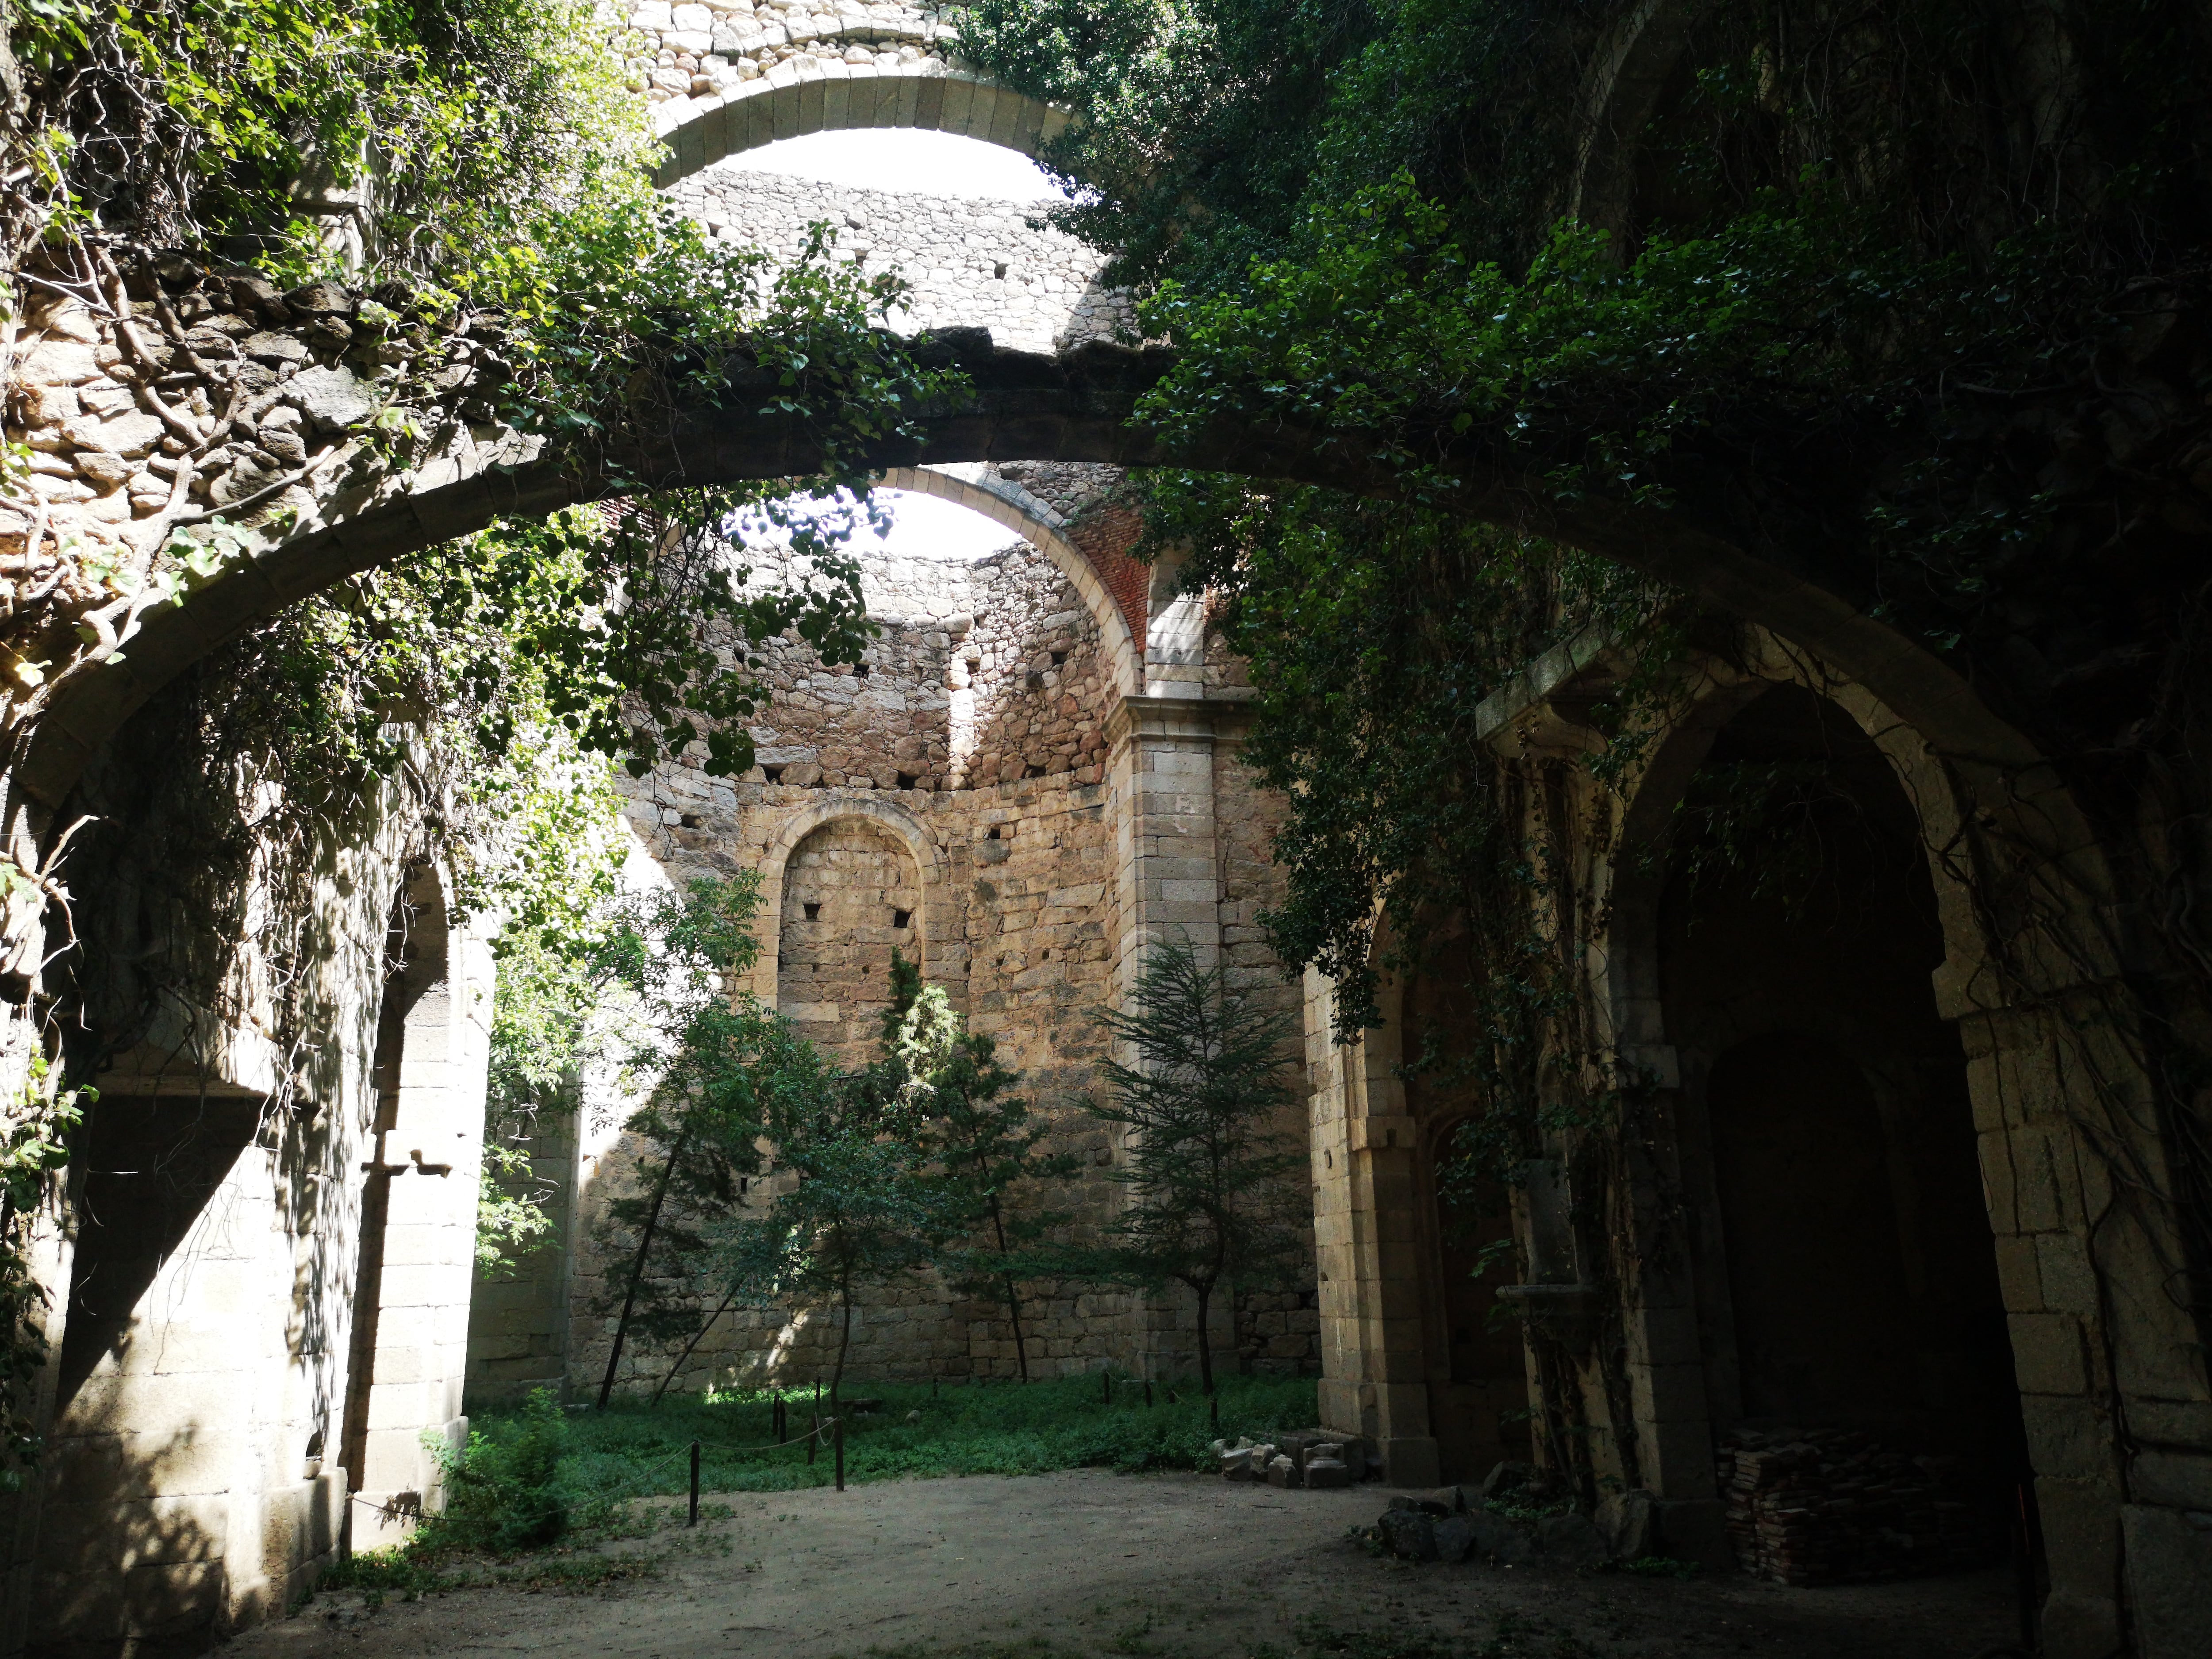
(972, 265)
(1030, 957)
(851, 896)
(674, 52)
(984, 671)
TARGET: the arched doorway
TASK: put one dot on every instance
(1473, 1349)
(1847, 1288)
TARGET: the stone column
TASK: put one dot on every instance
(429, 1241)
(1367, 1244)
(1168, 884)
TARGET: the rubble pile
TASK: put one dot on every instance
(1833, 1506)
(1313, 1459)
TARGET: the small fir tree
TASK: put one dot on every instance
(1212, 1176)
(983, 1140)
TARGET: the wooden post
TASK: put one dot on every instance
(838, 1429)
(694, 1521)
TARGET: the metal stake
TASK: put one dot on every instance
(694, 1521)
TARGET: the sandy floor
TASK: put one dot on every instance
(1170, 1565)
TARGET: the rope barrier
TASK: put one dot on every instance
(408, 1505)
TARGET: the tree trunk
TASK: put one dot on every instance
(696, 1338)
(1013, 1293)
(1205, 1338)
(637, 1268)
(844, 1342)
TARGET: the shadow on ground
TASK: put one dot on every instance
(1152, 1566)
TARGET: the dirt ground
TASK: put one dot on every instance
(1085, 1563)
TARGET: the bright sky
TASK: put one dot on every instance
(927, 527)
(905, 159)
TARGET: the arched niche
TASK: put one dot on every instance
(789, 102)
(934, 923)
(851, 896)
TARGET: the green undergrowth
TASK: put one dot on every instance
(604, 1545)
(546, 1498)
(996, 1428)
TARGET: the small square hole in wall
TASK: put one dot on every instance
(861, 671)
(1032, 771)
(999, 271)
(814, 913)
(1035, 680)
(1058, 658)
(907, 780)
(691, 821)
(772, 774)
(900, 918)
(995, 834)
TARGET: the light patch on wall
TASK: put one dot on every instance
(908, 159)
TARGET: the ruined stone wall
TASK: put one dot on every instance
(232, 982)
(1016, 914)
(972, 265)
(985, 671)
(1016, 925)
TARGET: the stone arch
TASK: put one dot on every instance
(940, 920)
(1073, 406)
(1621, 88)
(1002, 501)
(1628, 969)
(1693, 1342)
(789, 102)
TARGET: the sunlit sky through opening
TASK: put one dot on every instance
(905, 159)
(922, 527)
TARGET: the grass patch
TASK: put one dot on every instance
(534, 1475)
(998, 1428)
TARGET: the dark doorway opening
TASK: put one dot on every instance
(1478, 1395)
(1846, 1274)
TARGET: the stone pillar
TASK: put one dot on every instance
(429, 1241)
(1368, 1244)
(1168, 882)
(2112, 1371)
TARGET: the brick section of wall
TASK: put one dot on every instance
(1102, 528)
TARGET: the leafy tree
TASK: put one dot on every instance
(983, 1141)
(714, 1059)
(851, 1202)
(1213, 1181)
